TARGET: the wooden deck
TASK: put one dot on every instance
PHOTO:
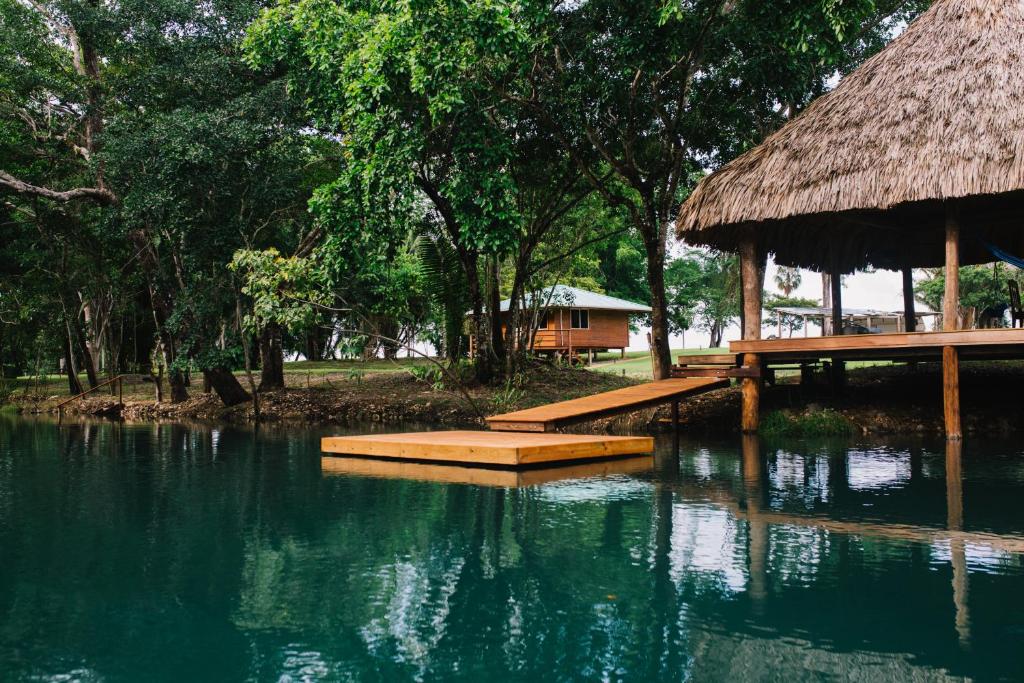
(488, 448)
(982, 344)
(550, 417)
(480, 476)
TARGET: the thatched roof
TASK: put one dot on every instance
(937, 115)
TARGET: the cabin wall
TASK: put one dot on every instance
(608, 330)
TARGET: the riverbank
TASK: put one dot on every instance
(384, 397)
(877, 400)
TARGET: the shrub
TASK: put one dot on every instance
(817, 423)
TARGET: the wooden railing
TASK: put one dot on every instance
(120, 393)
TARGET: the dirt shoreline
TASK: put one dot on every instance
(882, 400)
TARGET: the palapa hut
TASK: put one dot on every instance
(916, 159)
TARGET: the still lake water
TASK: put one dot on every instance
(190, 553)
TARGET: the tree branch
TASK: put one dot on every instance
(99, 195)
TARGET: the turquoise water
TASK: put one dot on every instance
(185, 553)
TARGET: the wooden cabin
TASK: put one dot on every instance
(576, 321)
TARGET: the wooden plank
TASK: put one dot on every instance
(629, 399)
(691, 371)
(480, 476)
(907, 341)
(487, 448)
(708, 359)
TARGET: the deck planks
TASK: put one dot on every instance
(552, 416)
(487, 448)
(884, 343)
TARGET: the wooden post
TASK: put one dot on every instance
(950, 323)
(751, 274)
(909, 314)
(951, 296)
(836, 282)
(675, 416)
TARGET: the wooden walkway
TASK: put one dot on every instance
(488, 448)
(550, 417)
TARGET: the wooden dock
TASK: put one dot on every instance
(488, 448)
(1005, 343)
(550, 417)
(480, 476)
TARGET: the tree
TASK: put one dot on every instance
(704, 290)
(980, 286)
(94, 89)
(787, 279)
(652, 91)
(791, 323)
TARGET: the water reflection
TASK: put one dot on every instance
(170, 552)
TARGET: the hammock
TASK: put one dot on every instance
(1004, 256)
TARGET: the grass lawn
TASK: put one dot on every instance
(637, 364)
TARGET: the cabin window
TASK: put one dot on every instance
(580, 319)
(542, 321)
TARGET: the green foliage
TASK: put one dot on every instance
(817, 423)
(703, 291)
(510, 395)
(790, 323)
(980, 286)
(404, 83)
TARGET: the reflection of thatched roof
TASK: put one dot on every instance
(938, 114)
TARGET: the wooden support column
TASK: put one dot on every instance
(950, 323)
(909, 314)
(752, 277)
(836, 282)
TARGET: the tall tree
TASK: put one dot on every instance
(655, 91)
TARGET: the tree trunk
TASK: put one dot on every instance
(659, 304)
(87, 357)
(74, 385)
(271, 358)
(494, 306)
(482, 360)
(227, 386)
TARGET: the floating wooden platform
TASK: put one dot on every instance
(550, 417)
(488, 448)
(479, 476)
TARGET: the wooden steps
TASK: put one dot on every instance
(481, 476)
(550, 417)
(488, 448)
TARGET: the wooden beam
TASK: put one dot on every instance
(909, 314)
(951, 296)
(752, 277)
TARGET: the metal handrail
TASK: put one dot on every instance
(120, 392)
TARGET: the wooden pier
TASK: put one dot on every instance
(499, 449)
(550, 417)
